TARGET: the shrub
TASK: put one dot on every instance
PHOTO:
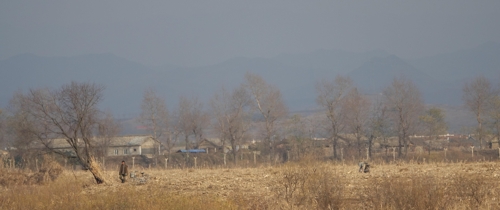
(310, 186)
(473, 189)
(49, 172)
(417, 192)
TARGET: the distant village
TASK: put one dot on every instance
(249, 125)
(143, 151)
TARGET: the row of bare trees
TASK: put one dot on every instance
(253, 110)
(256, 110)
(230, 115)
(348, 111)
(481, 98)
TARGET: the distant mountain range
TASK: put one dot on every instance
(440, 77)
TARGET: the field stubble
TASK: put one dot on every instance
(303, 185)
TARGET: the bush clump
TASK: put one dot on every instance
(49, 172)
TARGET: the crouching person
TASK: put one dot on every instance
(123, 171)
(364, 167)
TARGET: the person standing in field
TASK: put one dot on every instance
(123, 171)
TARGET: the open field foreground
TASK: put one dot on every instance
(305, 185)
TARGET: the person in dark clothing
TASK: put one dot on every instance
(364, 167)
(123, 171)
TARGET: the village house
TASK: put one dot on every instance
(132, 146)
(116, 146)
(214, 146)
(494, 142)
(209, 146)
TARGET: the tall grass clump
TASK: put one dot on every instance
(309, 185)
(473, 190)
(463, 191)
(416, 192)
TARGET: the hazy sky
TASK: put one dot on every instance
(194, 33)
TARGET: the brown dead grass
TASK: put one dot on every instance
(304, 185)
(48, 172)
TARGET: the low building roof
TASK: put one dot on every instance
(119, 141)
(206, 142)
(129, 140)
(191, 151)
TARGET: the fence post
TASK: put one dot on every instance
(394, 153)
(445, 149)
(472, 149)
(195, 165)
(133, 162)
(342, 154)
(255, 159)
(224, 158)
(166, 163)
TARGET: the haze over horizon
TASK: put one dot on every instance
(199, 33)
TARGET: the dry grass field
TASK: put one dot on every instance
(300, 185)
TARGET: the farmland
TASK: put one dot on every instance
(297, 185)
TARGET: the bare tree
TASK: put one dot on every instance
(70, 113)
(154, 116)
(18, 140)
(494, 112)
(495, 115)
(357, 108)
(331, 96)
(220, 105)
(192, 120)
(378, 124)
(2, 128)
(108, 128)
(477, 95)
(232, 117)
(298, 130)
(433, 123)
(19, 128)
(174, 131)
(405, 105)
(269, 103)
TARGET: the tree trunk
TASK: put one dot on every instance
(480, 131)
(235, 157)
(406, 149)
(188, 143)
(358, 142)
(94, 168)
(335, 147)
(400, 144)
(370, 141)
